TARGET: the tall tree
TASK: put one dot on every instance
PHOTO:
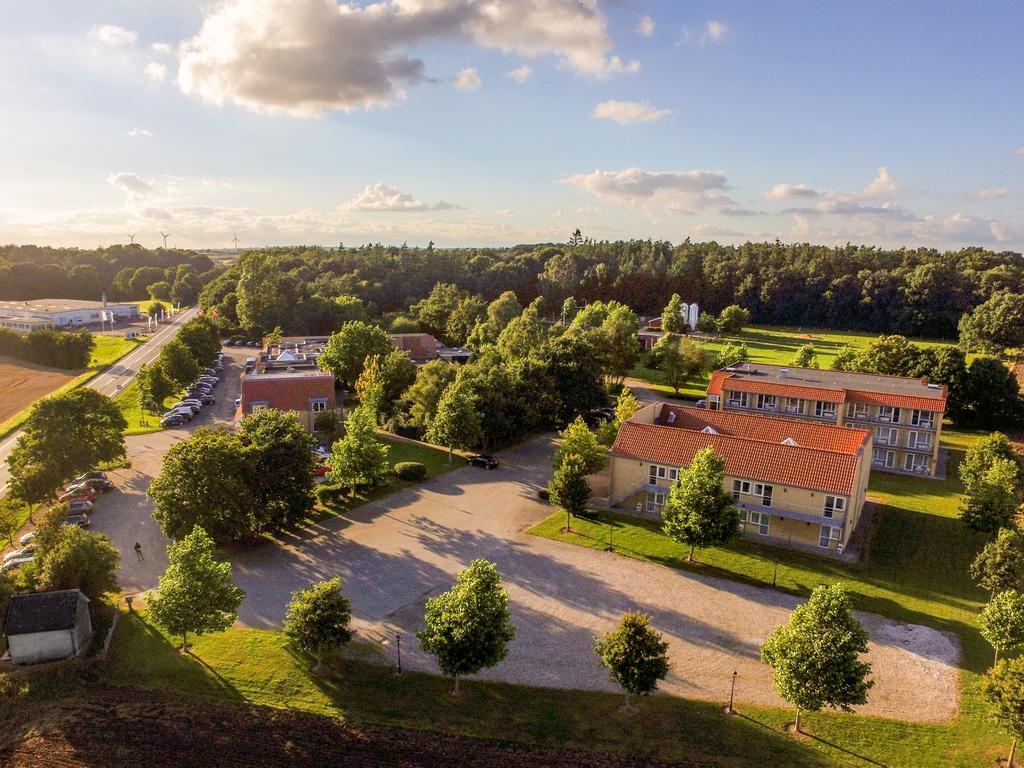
(1002, 688)
(733, 319)
(347, 350)
(456, 423)
(682, 360)
(77, 559)
(318, 619)
(523, 334)
(431, 381)
(1000, 564)
(673, 317)
(468, 628)
(360, 457)
(62, 436)
(815, 658)
(389, 376)
(993, 326)
(279, 465)
(196, 593)
(635, 654)
(1002, 622)
(178, 362)
(578, 440)
(993, 501)
(698, 511)
(569, 488)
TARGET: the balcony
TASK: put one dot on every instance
(919, 448)
(805, 517)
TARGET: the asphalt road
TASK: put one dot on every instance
(115, 378)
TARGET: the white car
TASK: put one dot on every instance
(27, 538)
(28, 551)
(17, 562)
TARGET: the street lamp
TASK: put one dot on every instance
(732, 693)
(398, 645)
(128, 601)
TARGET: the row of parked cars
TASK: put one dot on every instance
(80, 496)
(198, 395)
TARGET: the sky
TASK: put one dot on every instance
(497, 122)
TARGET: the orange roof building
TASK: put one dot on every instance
(905, 414)
(796, 483)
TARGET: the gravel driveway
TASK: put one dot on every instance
(394, 553)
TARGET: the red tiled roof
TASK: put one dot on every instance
(899, 401)
(287, 391)
(768, 429)
(715, 385)
(816, 470)
(419, 346)
(784, 390)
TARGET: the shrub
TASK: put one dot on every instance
(544, 494)
(328, 494)
(410, 470)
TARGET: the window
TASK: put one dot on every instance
(916, 463)
(829, 534)
(919, 440)
(794, 405)
(924, 419)
(889, 414)
(824, 410)
(765, 492)
(834, 504)
(739, 399)
(743, 515)
(883, 458)
(318, 406)
(738, 487)
(662, 473)
(766, 402)
(761, 520)
(258, 407)
(885, 436)
(655, 502)
(857, 411)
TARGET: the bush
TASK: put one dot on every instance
(410, 470)
(328, 494)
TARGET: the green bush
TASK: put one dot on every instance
(410, 470)
(328, 494)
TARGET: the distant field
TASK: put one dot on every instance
(23, 383)
(772, 345)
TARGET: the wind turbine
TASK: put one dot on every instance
(131, 239)
(236, 241)
(165, 239)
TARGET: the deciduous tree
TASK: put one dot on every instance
(673, 317)
(698, 511)
(468, 628)
(578, 440)
(1002, 622)
(681, 361)
(360, 457)
(279, 465)
(196, 593)
(815, 657)
(456, 422)
(733, 319)
(347, 350)
(318, 619)
(635, 654)
(1000, 564)
(996, 324)
(78, 560)
(431, 381)
(993, 502)
(805, 357)
(1002, 688)
(569, 488)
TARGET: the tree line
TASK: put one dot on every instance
(68, 350)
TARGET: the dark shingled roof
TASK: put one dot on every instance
(42, 612)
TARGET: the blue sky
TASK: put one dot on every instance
(511, 121)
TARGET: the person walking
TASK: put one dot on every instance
(138, 552)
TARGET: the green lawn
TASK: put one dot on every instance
(108, 350)
(915, 571)
(139, 422)
(770, 345)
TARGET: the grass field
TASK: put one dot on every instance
(139, 422)
(24, 383)
(769, 345)
(915, 571)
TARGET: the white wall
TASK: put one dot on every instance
(41, 646)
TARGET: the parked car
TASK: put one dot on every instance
(26, 538)
(238, 402)
(483, 460)
(98, 484)
(17, 562)
(199, 391)
(193, 409)
(88, 494)
(250, 361)
(81, 520)
(79, 507)
(172, 420)
(702, 403)
(94, 475)
(227, 343)
(207, 399)
(23, 552)
(192, 401)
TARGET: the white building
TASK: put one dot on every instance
(64, 313)
(47, 626)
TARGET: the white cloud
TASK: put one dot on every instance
(677, 191)
(504, 213)
(467, 80)
(111, 34)
(384, 198)
(714, 31)
(163, 49)
(790, 191)
(140, 133)
(629, 112)
(882, 185)
(131, 183)
(520, 74)
(1019, 152)
(992, 193)
(155, 72)
(645, 27)
(303, 57)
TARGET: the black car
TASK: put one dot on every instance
(172, 420)
(483, 460)
(82, 521)
(98, 484)
(227, 343)
(208, 399)
(94, 475)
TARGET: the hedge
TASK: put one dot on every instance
(410, 470)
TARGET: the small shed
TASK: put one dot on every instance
(47, 626)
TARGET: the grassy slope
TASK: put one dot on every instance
(108, 350)
(769, 345)
(916, 571)
(139, 422)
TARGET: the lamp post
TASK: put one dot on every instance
(398, 645)
(128, 601)
(610, 547)
(732, 692)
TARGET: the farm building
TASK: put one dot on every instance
(47, 626)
